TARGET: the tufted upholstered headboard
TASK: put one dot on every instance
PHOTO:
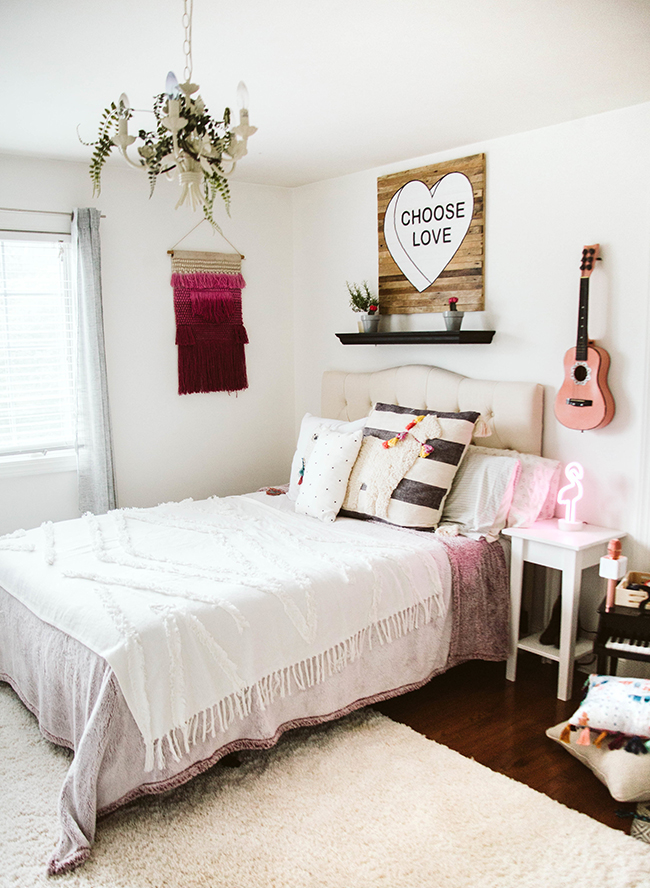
(513, 410)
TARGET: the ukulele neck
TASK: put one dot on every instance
(582, 342)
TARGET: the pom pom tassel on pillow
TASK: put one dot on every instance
(483, 427)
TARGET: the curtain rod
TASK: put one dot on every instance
(33, 231)
(43, 212)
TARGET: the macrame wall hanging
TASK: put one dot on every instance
(210, 333)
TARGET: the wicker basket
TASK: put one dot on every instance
(640, 828)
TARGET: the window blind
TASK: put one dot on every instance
(37, 323)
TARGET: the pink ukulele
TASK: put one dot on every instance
(584, 400)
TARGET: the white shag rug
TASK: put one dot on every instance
(359, 802)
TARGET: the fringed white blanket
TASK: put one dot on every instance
(200, 608)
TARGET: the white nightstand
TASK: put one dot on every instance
(571, 552)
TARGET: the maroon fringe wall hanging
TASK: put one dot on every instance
(210, 333)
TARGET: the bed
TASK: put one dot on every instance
(154, 642)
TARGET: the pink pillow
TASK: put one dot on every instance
(536, 490)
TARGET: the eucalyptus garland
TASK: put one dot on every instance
(103, 145)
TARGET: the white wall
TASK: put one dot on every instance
(169, 446)
(548, 193)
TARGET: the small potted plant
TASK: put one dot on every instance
(453, 317)
(362, 300)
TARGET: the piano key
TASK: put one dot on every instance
(631, 645)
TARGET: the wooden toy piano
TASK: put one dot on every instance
(623, 632)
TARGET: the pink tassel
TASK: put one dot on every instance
(584, 739)
(482, 428)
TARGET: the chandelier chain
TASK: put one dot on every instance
(187, 42)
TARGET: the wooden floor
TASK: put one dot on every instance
(476, 711)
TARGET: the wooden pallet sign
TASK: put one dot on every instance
(431, 237)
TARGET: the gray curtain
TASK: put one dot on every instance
(94, 441)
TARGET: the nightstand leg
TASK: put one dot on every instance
(516, 577)
(571, 581)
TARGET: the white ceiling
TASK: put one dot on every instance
(336, 86)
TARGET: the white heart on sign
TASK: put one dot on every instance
(424, 228)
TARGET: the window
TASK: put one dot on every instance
(37, 394)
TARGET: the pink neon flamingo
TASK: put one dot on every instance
(569, 495)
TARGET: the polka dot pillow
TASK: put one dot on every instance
(615, 704)
(325, 480)
(308, 428)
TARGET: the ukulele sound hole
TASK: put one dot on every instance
(581, 373)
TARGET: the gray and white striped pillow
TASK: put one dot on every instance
(396, 484)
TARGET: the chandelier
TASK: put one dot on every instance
(186, 139)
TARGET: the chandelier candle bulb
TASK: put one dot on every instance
(171, 85)
(242, 100)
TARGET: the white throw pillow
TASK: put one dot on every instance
(309, 425)
(481, 495)
(325, 480)
(535, 491)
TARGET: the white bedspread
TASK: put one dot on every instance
(202, 607)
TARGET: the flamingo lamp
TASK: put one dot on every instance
(569, 495)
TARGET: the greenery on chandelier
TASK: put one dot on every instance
(186, 138)
(103, 145)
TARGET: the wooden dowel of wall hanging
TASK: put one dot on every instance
(237, 253)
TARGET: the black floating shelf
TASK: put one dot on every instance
(419, 337)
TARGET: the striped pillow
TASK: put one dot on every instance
(481, 495)
(407, 482)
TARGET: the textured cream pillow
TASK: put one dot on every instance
(325, 480)
(626, 776)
